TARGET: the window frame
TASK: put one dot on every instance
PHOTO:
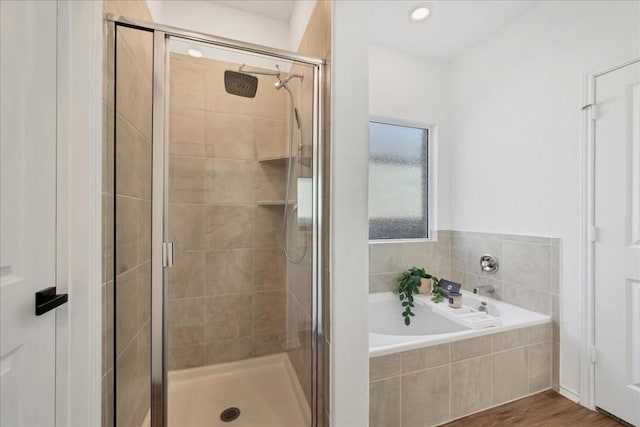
(432, 177)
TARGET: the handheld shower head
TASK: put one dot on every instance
(282, 83)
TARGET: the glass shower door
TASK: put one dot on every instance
(239, 317)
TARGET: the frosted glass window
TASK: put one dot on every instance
(398, 182)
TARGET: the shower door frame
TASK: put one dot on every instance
(162, 250)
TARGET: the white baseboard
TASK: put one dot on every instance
(569, 394)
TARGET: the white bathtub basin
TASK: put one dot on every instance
(388, 334)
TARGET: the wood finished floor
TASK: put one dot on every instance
(547, 409)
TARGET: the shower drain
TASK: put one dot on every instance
(230, 414)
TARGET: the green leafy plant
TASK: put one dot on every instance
(409, 284)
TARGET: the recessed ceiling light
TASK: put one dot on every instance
(420, 13)
(195, 53)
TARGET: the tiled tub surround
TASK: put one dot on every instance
(435, 384)
(528, 276)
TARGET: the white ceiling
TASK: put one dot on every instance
(276, 9)
(452, 28)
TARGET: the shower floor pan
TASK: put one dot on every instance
(264, 389)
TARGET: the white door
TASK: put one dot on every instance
(28, 210)
(617, 251)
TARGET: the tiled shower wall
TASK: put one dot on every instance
(528, 276)
(131, 200)
(227, 290)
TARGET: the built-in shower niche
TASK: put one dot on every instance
(232, 294)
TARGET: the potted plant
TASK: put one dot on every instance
(409, 284)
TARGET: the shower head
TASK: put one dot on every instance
(241, 84)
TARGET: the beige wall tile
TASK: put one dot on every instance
(540, 333)
(530, 299)
(127, 309)
(539, 358)
(384, 366)
(143, 167)
(271, 137)
(385, 282)
(472, 347)
(186, 311)
(510, 378)
(229, 227)
(186, 277)
(134, 90)
(186, 225)
(458, 249)
(385, 258)
(126, 242)
(228, 351)
(419, 254)
(384, 407)
(441, 251)
(510, 339)
(230, 136)
(185, 149)
(144, 293)
(268, 227)
(269, 180)
(126, 401)
(185, 335)
(267, 344)
(228, 317)
(186, 357)
(269, 103)
(269, 269)
(426, 357)
(228, 181)
(186, 180)
(425, 397)
(143, 372)
(269, 312)
(527, 264)
(470, 386)
(144, 231)
(186, 126)
(126, 140)
(187, 83)
(229, 272)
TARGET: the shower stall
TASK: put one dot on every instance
(213, 196)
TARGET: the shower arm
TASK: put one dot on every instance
(276, 74)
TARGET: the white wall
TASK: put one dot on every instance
(349, 216)
(212, 18)
(517, 147)
(407, 88)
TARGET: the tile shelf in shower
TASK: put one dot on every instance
(273, 158)
(306, 161)
(273, 202)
